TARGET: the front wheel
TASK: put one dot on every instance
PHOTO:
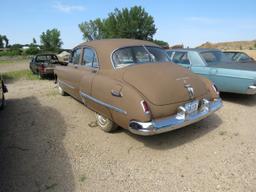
(105, 124)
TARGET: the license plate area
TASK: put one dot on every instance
(192, 107)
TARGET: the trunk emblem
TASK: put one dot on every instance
(190, 90)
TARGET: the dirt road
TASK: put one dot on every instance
(47, 145)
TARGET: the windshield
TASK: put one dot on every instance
(138, 55)
(237, 56)
(214, 57)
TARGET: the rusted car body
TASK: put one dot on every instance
(132, 84)
(44, 64)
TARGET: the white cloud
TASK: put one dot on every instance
(68, 8)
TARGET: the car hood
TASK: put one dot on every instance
(164, 84)
(248, 66)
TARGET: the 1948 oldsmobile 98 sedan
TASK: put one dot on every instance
(227, 75)
(132, 84)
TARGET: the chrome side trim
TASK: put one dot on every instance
(66, 84)
(251, 90)
(103, 103)
(157, 126)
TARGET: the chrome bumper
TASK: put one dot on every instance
(158, 126)
(251, 90)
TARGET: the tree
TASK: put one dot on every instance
(134, 23)
(34, 41)
(51, 40)
(4, 41)
(92, 29)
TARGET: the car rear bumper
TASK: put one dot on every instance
(251, 90)
(158, 126)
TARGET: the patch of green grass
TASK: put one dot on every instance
(14, 61)
(17, 75)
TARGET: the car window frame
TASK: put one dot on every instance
(71, 58)
(96, 56)
(182, 51)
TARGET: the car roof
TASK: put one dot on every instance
(105, 47)
(199, 50)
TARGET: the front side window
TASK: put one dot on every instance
(89, 58)
(181, 58)
(76, 56)
(138, 55)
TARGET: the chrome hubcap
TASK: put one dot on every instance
(102, 120)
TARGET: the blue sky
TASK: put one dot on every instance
(188, 22)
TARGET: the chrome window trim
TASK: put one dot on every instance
(142, 45)
(103, 103)
(66, 84)
(87, 47)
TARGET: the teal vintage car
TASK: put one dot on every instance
(228, 76)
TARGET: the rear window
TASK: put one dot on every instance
(127, 56)
(43, 58)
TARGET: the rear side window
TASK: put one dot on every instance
(181, 58)
(90, 58)
(76, 56)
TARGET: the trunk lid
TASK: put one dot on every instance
(164, 83)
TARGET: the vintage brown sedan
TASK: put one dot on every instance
(132, 84)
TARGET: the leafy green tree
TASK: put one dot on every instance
(34, 41)
(51, 40)
(134, 23)
(92, 29)
(4, 41)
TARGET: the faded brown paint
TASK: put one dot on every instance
(160, 85)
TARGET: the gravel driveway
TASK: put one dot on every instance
(46, 144)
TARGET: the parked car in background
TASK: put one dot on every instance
(239, 56)
(227, 75)
(44, 64)
(132, 84)
(3, 90)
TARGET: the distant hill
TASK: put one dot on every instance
(234, 45)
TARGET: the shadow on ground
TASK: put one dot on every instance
(181, 136)
(32, 154)
(247, 100)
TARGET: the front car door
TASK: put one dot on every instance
(68, 73)
(87, 71)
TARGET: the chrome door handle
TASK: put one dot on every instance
(116, 93)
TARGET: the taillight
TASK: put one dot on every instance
(145, 107)
(41, 68)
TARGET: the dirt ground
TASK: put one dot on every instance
(46, 144)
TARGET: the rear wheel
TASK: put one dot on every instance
(105, 124)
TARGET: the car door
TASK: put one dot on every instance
(85, 74)
(67, 76)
